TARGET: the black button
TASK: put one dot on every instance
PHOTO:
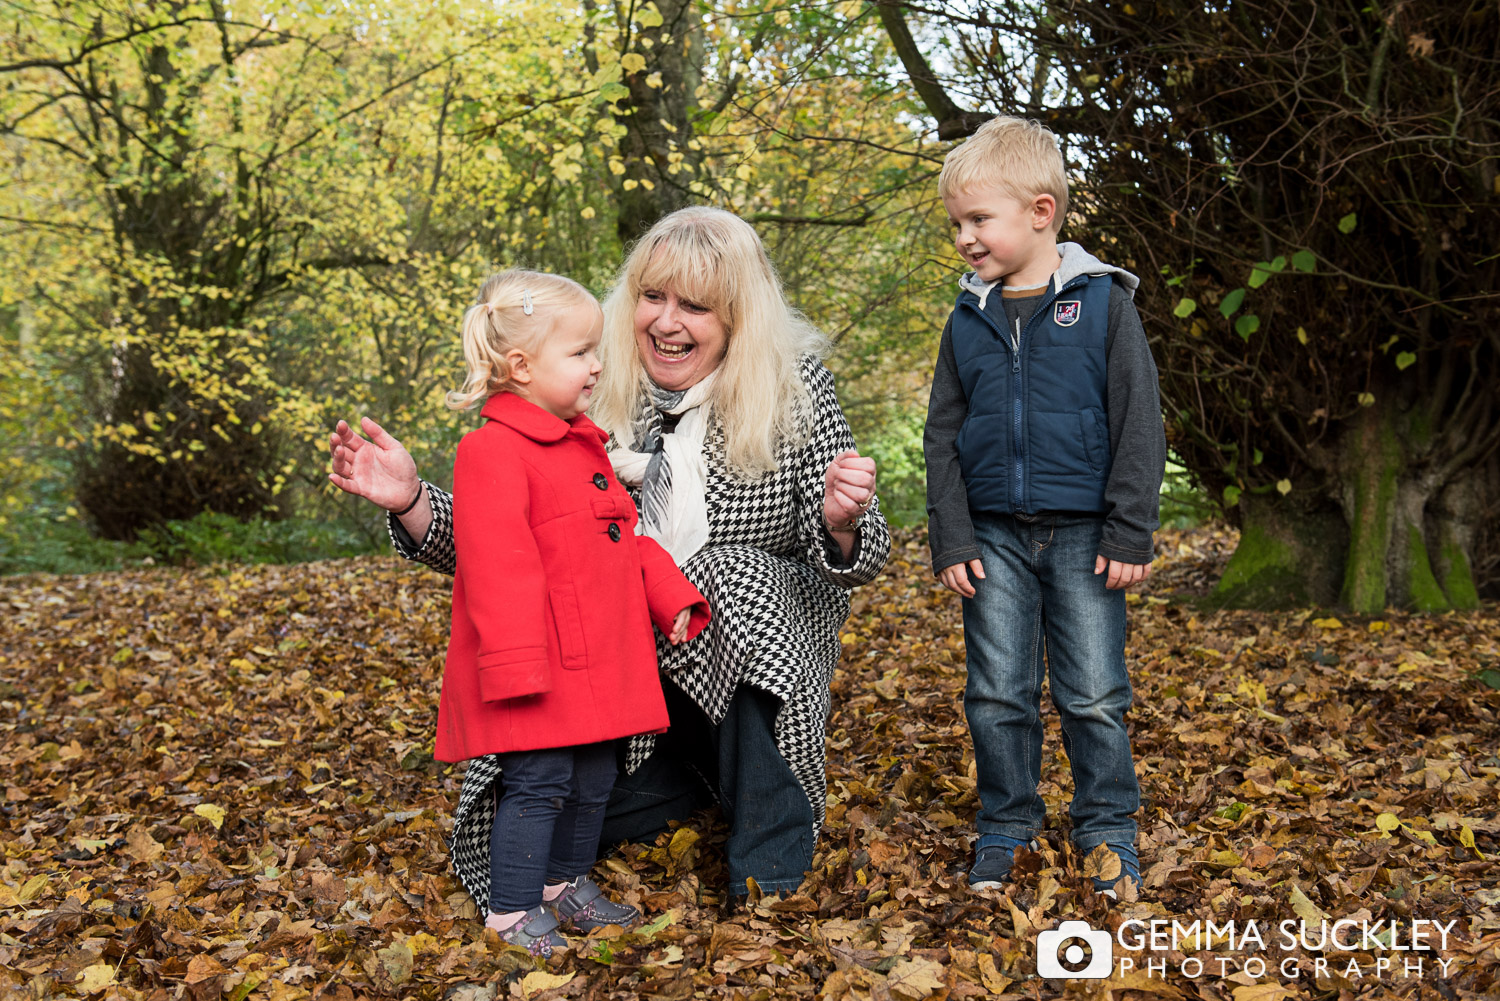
(600, 481)
(614, 532)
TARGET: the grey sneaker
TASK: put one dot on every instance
(536, 932)
(1130, 865)
(992, 863)
(584, 907)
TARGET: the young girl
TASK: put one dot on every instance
(552, 657)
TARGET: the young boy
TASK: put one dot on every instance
(1045, 453)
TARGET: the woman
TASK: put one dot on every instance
(727, 431)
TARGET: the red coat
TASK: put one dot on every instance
(554, 596)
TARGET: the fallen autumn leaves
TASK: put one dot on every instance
(219, 784)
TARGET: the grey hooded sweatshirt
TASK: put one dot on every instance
(1137, 439)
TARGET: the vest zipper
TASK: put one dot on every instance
(1016, 443)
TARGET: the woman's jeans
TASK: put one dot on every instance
(547, 820)
(771, 834)
(1040, 593)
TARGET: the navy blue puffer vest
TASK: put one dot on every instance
(1035, 438)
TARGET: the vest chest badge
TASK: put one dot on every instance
(1066, 313)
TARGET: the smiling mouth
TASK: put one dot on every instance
(675, 352)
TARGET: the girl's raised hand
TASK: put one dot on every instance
(680, 626)
(380, 470)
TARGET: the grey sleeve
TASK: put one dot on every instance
(950, 530)
(1137, 438)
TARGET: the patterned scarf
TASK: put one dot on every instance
(669, 469)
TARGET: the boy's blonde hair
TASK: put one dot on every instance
(500, 321)
(713, 258)
(1018, 156)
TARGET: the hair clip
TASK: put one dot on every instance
(489, 308)
(526, 301)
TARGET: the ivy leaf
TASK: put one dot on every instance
(1278, 263)
(1247, 325)
(1231, 303)
(1283, 487)
(1304, 260)
(1366, 399)
(1405, 360)
(1347, 224)
(1261, 272)
(1231, 495)
(1185, 307)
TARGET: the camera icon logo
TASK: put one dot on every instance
(1074, 949)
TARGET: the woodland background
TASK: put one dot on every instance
(226, 226)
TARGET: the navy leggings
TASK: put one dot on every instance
(548, 816)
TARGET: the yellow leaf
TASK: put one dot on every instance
(141, 846)
(213, 814)
(34, 888)
(1379, 627)
(1328, 623)
(1283, 487)
(633, 62)
(397, 959)
(95, 978)
(537, 981)
(1387, 822)
(1263, 992)
(914, 979)
(993, 980)
(1302, 335)
(1305, 908)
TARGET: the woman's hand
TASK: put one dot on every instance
(848, 491)
(379, 470)
(680, 626)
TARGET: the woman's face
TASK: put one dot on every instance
(680, 342)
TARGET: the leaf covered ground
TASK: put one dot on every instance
(218, 783)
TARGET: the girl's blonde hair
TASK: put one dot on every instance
(1015, 156)
(713, 258)
(514, 309)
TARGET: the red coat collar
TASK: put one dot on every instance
(534, 422)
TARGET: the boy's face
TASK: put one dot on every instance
(1003, 237)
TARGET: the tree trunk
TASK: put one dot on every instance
(1396, 539)
(1291, 553)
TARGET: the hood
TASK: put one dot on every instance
(1075, 262)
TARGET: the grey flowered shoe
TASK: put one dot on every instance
(536, 932)
(584, 907)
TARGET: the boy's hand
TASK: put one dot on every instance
(1121, 574)
(956, 577)
(680, 626)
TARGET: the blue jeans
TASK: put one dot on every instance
(1040, 593)
(771, 834)
(547, 820)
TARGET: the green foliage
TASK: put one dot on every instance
(40, 544)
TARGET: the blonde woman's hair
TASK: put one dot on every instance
(1018, 156)
(713, 258)
(514, 309)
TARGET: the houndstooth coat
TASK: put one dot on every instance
(778, 593)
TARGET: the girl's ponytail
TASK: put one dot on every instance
(514, 309)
